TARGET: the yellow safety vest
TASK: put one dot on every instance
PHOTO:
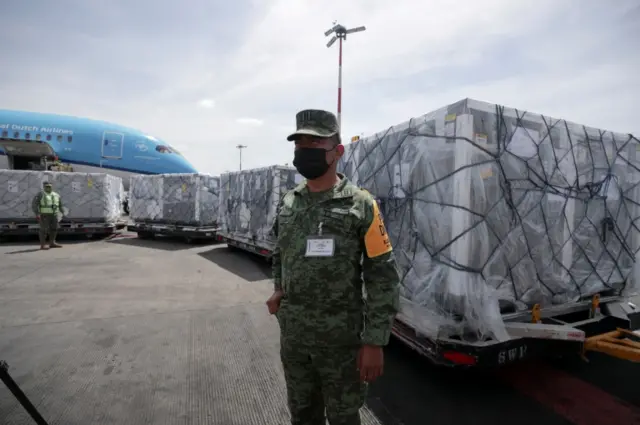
(49, 203)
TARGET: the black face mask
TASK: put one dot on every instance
(311, 163)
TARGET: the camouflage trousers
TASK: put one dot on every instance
(320, 379)
(48, 226)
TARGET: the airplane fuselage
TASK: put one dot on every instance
(87, 145)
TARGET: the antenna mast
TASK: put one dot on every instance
(240, 147)
(340, 33)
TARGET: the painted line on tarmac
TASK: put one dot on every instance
(572, 398)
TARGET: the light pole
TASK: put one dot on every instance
(340, 34)
(240, 147)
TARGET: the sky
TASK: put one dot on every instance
(205, 76)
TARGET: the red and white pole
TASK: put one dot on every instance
(340, 86)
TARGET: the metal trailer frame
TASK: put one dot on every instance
(189, 233)
(264, 250)
(605, 325)
(66, 227)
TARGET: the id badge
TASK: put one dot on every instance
(320, 246)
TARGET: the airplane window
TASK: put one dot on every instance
(70, 139)
(5, 134)
(59, 138)
(27, 136)
(38, 137)
(163, 149)
(48, 137)
(16, 135)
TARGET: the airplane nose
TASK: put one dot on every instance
(181, 165)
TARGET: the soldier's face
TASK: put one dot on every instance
(48, 188)
(332, 152)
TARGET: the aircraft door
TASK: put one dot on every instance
(112, 145)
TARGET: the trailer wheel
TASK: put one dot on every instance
(145, 235)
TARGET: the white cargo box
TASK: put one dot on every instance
(248, 202)
(186, 199)
(89, 197)
(492, 210)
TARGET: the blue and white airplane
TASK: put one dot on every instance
(88, 145)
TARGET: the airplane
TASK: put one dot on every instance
(87, 145)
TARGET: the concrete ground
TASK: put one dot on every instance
(153, 332)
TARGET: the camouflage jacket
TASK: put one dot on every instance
(324, 301)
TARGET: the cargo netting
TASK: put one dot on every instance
(86, 197)
(492, 210)
(249, 201)
(174, 199)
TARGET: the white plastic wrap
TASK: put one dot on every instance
(248, 202)
(492, 210)
(88, 197)
(187, 199)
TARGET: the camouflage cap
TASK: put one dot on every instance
(315, 122)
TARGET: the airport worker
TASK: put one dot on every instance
(331, 241)
(46, 206)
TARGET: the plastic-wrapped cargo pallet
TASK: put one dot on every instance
(88, 197)
(492, 210)
(248, 202)
(181, 199)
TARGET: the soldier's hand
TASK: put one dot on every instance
(370, 362)
(273, 303)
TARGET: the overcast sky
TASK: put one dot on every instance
(206, 75)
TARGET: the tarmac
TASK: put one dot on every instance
(126, 331)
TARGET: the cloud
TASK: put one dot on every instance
(207, 103)
(146, 64)
(254, 122)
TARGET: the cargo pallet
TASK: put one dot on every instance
(604, 325)
(246, 244)
(189, 233)
(65, 227)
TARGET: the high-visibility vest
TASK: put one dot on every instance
(49, 203)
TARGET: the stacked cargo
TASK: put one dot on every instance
(90, 197)
(248, 203)
(181, 199)
(95, 198)
(17, 190)
(492, 210)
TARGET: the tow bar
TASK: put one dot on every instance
(19, 394)
(620, 343)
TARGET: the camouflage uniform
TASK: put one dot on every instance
(48, 220)
(323, 317)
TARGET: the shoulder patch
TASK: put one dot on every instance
(376, 240)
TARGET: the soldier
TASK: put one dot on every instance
(46, 206)
(330, 241)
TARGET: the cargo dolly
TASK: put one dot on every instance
(606, 324)
(65, 227)
(189, 233)
(251, 245)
